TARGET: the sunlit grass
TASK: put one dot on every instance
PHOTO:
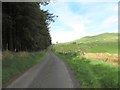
(92, 73)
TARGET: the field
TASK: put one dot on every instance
(106, 57)
(101, 47)
(14, 64)
(94, 60)
(102, 43)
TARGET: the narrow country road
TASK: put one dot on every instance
(51, 73)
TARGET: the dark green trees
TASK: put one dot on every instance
(25, 26)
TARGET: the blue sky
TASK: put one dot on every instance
(79, 19)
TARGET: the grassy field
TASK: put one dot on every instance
(104, 37)
(102, 43)
(16, 63)
(92, 73)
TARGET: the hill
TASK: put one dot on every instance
(105, 37)
(102, 43)
(94, 59)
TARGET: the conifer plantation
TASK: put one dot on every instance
(25, 26)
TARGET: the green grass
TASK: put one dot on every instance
(91, 73)
(16, 63)
(102, 43)
(105, 47)
(109, 47)
(104, 37)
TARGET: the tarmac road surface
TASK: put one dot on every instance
(51, 73)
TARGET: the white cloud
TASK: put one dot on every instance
(109, 21)
(80, 25)
(115, 8)
(73, 21)
(65, 36)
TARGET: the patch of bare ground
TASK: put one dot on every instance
(106, 57)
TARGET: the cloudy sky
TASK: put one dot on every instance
(77, 19)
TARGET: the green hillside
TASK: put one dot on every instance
(91, 73)
(105, 37)
(102, 43)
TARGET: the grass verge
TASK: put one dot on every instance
(92, 73)
(16, 63)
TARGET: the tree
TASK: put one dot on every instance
(25, 26)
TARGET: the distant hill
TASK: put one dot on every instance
(105, 37)
(102, 43)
